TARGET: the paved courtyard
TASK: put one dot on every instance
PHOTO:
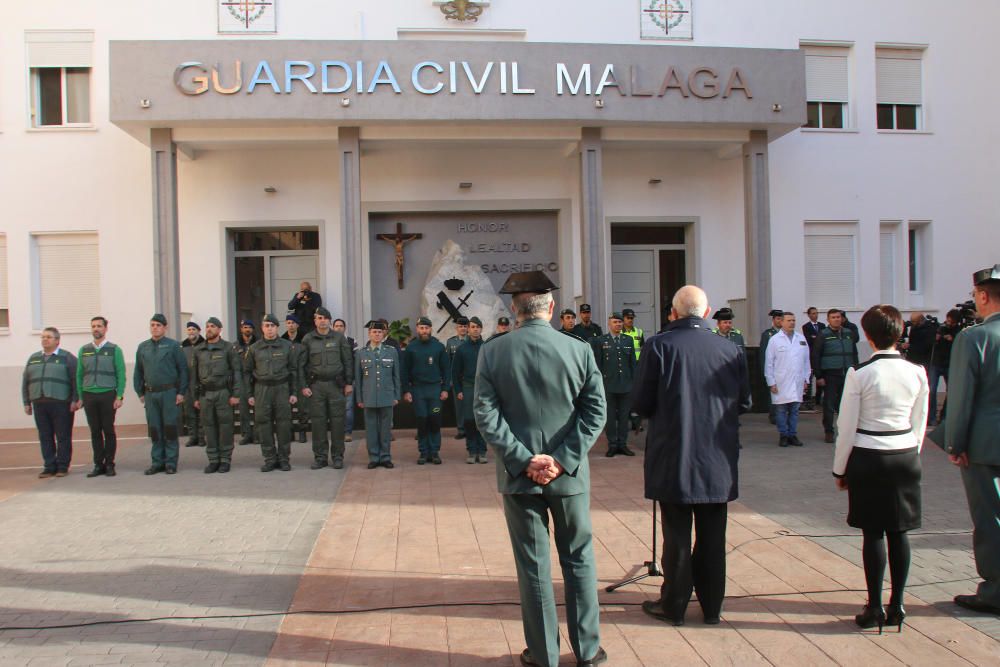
(412, 566)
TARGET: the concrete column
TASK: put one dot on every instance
(349, 147)
(596, 276)
(757, 213)
(166, 254)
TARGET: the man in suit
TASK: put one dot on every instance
(692, 385)
(811, 330)
(970, 429)
(539, 403)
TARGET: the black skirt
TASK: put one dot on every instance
(883, 487)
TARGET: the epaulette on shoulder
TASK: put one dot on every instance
(496, 335)
(574, 336)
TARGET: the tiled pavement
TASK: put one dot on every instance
(77, 550)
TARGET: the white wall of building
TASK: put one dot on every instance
(98, 179)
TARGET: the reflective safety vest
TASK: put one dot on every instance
(99, 366)
(638, 338)
(48, 377)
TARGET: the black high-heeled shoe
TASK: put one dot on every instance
(895, 615)
(870, 617)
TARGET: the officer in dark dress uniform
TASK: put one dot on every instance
(615, 355)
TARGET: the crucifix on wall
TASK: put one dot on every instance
(398, 240)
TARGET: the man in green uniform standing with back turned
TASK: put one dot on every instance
(426, 379)
(971, 426)
(217, 380)
(540, 405)
(272, 378)
(328, 380)
(160, 379)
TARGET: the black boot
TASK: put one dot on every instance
(98, 470)
(212, 467)
(109, 470)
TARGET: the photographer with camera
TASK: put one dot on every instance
(918, 339)
(941, 358)
(303, 305)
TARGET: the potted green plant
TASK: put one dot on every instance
(399, 331)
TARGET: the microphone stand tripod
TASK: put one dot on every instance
(652, 566)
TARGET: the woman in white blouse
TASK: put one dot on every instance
(883, 415)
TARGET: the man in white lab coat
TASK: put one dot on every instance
(786, 370)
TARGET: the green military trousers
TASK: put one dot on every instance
(427, 406)
(459, 412)
(246, 417)
(161, 418)
(327, 411)
(528, 524)
(273, 415)
(616, 426)
(982, 487)
(217, 425)
(378, 433)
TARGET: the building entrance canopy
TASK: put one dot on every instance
(185, 83)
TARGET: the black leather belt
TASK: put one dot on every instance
(864, 431)
(271, 383)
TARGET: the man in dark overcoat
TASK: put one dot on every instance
(692, 385)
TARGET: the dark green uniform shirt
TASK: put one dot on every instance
(426, 363)
(615, 357)
(735, 336)
(160, 365)
(217, 366)
(587, 332)
(271, 362)
(327, 357)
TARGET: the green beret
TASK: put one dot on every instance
(214, 320)
(159, 317)
(323, 312)
(272, 319)
(475, 320)
(425, 321)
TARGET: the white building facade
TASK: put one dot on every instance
(202, 158)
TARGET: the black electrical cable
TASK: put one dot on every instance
(492, 603)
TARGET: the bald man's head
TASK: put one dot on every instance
(690, 301)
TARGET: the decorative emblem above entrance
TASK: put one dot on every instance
(666, 19)
(462, 10)
(247, 16)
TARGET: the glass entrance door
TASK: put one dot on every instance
(268, 267)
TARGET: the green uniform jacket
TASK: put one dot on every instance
(973, 418)
(271, 362)
(217, 366)
(463, 368)
(89, 355)
(539, 392)
(587, 332)
(159, 363)
(426, 363)
(615, 361)
(326, 357)
(453, 343)
(735, 336)
(377, 379)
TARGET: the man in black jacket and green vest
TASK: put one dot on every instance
(48, 390)
(833, 352)
(160, 378)
(100, 384)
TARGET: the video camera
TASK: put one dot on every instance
(968, 314)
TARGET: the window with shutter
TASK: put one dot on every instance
(60, 63)
(826, 86)
(68, 279)
(4, 303)
(830, 266)
(899, 88)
